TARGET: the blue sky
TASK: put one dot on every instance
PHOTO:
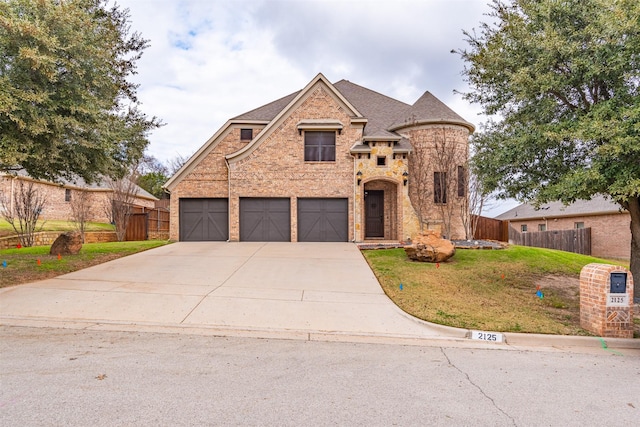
(210, 60)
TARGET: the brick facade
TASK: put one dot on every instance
(58, 207)
(273, 165)
(610, 233)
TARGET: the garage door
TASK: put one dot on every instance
(265, 220)
(204, 220)
(323, 220)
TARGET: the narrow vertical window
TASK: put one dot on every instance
(462, 181)
(67, 195)
(440, 187)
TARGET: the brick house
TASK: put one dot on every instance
(610, 225)
(59, 196)
(331, 162)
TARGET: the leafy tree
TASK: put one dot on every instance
(562, 80)
(153, 182)
(66, 106)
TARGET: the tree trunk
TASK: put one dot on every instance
(634, 210)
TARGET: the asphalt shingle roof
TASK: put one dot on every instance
(427, 108)
(382, 112)
(597, 205)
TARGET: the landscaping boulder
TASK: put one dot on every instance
(68, 243)
(430, 247)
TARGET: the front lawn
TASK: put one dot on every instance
(22, 264)
(492, 290)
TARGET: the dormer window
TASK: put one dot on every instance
(246, 134)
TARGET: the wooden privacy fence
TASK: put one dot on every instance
(577, 240)
(143, 221)
(490, 229)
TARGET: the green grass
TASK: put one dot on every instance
(488, 289)
(23, 265)
(7, 230)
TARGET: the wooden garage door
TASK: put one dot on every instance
(265, 220)
(204, 220)
(323, 220)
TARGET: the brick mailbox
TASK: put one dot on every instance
(606, 300)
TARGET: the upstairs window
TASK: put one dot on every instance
(382, 161)
(319, 146)
(440, 187)
(246, 134)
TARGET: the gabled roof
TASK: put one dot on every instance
(598, 205)
(269, 111)
(320, 79)
(78, 183)
(428, 109)
(382, 116)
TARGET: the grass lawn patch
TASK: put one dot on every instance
(491, 290)
(23, 266)
(7, 230)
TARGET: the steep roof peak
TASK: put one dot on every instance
(429, 109)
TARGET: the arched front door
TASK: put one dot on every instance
(374, 214)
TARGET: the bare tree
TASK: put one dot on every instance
(22, 210)
(80, 210)
(420, 185)
(443, 162)
(123, 195)
(174, 164)
(472, 205)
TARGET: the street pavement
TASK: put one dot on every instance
(67, 377)
(305, 291)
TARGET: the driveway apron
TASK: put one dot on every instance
(325, 288)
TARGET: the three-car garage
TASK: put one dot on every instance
(266, 219)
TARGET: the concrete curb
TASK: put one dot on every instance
(460, 338)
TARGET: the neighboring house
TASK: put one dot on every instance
(60, 195)
(331, 162)
(610, 225)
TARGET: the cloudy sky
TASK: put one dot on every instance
(210, 60)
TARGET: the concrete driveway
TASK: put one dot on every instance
(294, 290)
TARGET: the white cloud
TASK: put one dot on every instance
(212, 60)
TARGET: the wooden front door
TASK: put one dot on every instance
(374, 213)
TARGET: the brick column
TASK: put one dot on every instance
(601, 312)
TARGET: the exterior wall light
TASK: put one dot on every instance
(359, 176)
(405, 177)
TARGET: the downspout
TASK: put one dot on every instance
(355, 191)
(226, 162)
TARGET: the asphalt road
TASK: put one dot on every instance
(100, 378)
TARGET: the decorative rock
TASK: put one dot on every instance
(430, 247)
(68, 243)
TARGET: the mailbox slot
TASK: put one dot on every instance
(618, 283)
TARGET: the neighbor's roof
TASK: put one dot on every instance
(80, 183)
(598, 205)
